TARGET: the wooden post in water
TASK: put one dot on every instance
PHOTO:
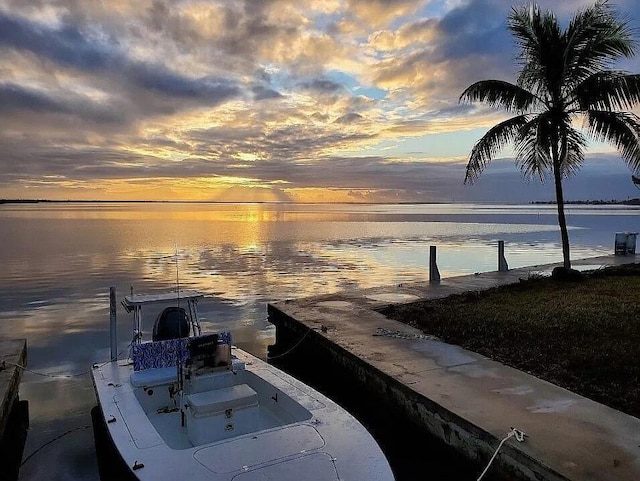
(112, 323)
(434, 273)
(14, 413)
(502, 261)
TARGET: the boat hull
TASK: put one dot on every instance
(300, 435)
(111, 466)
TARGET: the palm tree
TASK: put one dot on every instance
(565, 77)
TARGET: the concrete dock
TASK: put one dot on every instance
(13, 424)
(466, 400)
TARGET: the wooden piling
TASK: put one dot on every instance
(13, 412)
(11, 352)
(434, 273)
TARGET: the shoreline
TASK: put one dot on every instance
(628, 202)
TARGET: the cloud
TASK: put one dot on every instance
(419, 32)
(349, 118)
(158, 79)
(69, 47)
(432, 60)
(356, 97)
(264, 93)
(14, 98)
(468, 32)
(381, 12)
(322, 85)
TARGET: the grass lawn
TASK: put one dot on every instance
(584, 336)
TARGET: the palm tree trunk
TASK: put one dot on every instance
(562, 221)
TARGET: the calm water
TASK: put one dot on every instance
(58, 260)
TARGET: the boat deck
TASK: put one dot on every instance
(244, 424)
(168, 425)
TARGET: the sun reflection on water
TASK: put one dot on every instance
(59, 260)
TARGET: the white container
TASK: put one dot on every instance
(620, 244)
(625, 243)
(631, 242)
(222, 413)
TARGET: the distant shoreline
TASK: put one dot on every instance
(95, 201)
(634, 201)
(69, 201)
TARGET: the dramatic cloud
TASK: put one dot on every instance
(353, 100)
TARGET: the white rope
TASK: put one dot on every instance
(289, 350)
(55, 376)
(60, 376)
(80, 428)
(382, 332)
(519, 435)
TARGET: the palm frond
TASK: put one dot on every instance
(607, 90)
(498, 93)
(622, 129)
(539, 37)
(595, 38)
(572, 152)
(521, 23)
(531, 27)
(531, 78)
(533, 148)
(490, 144)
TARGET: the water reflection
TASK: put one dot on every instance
(58, 261)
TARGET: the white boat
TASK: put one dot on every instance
(187, 406)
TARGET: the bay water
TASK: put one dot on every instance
(58, 261)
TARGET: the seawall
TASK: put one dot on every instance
(468, 402)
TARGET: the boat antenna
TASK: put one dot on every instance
(179, 351)
(177, 275)
(178, 292)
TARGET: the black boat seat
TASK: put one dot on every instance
(172, 323)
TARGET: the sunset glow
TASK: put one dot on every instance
(277, 101)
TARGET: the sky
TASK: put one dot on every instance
(265, 100)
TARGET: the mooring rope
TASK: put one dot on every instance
(382, 332)
(86, 426)
(4, 363)
(519, 435)
(291, 349)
